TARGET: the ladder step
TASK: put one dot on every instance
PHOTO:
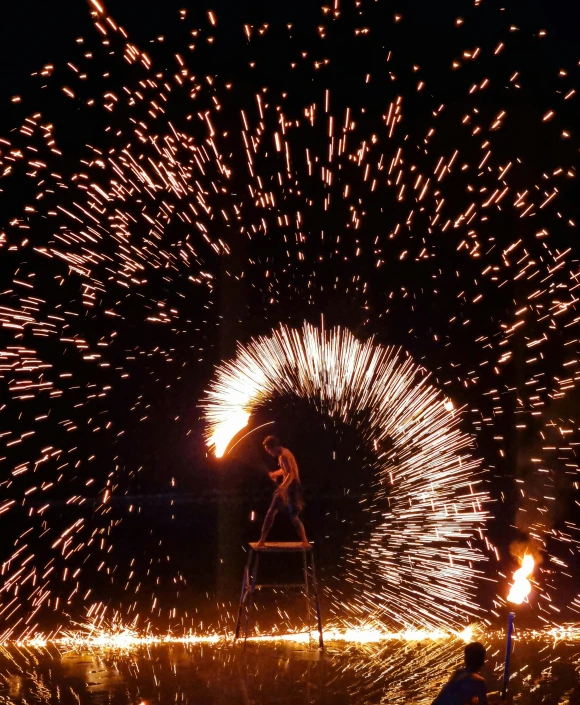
(281, 547)
(282, 586)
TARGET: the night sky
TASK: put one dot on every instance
(119, 300)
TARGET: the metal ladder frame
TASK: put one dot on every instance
(309, 586)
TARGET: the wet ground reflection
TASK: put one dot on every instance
(289, 674)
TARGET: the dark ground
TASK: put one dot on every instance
(289, 674)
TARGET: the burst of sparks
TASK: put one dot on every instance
(418, 565)
(128, 638)
(426, 214)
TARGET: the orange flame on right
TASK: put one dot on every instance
(521, 586)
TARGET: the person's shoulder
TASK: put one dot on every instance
(459, 674)
(477, 677)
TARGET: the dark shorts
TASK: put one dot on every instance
(295, 503)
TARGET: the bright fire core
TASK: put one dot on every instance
(521, 586)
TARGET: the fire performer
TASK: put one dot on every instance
(467, 686)
(288, 495)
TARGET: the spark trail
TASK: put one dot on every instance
(345, 161)
(418, 567)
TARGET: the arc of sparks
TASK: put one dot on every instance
(419, 566)
(253, 430)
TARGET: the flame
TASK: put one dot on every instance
(225, 430)
(521, 586)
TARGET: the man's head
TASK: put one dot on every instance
(272, 446)
(474, 656)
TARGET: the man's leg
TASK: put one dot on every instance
(299, 526)
(268, 521)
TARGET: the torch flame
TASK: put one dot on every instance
(521, 586)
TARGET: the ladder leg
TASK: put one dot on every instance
(248, 598)
(243, 596)
(306, 590)
(317, 603)
(252, 587)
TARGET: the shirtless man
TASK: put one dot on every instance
(288, 494)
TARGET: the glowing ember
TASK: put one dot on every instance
(521, 586)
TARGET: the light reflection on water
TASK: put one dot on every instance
(411, 672)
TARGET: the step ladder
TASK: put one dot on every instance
(250, 585)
